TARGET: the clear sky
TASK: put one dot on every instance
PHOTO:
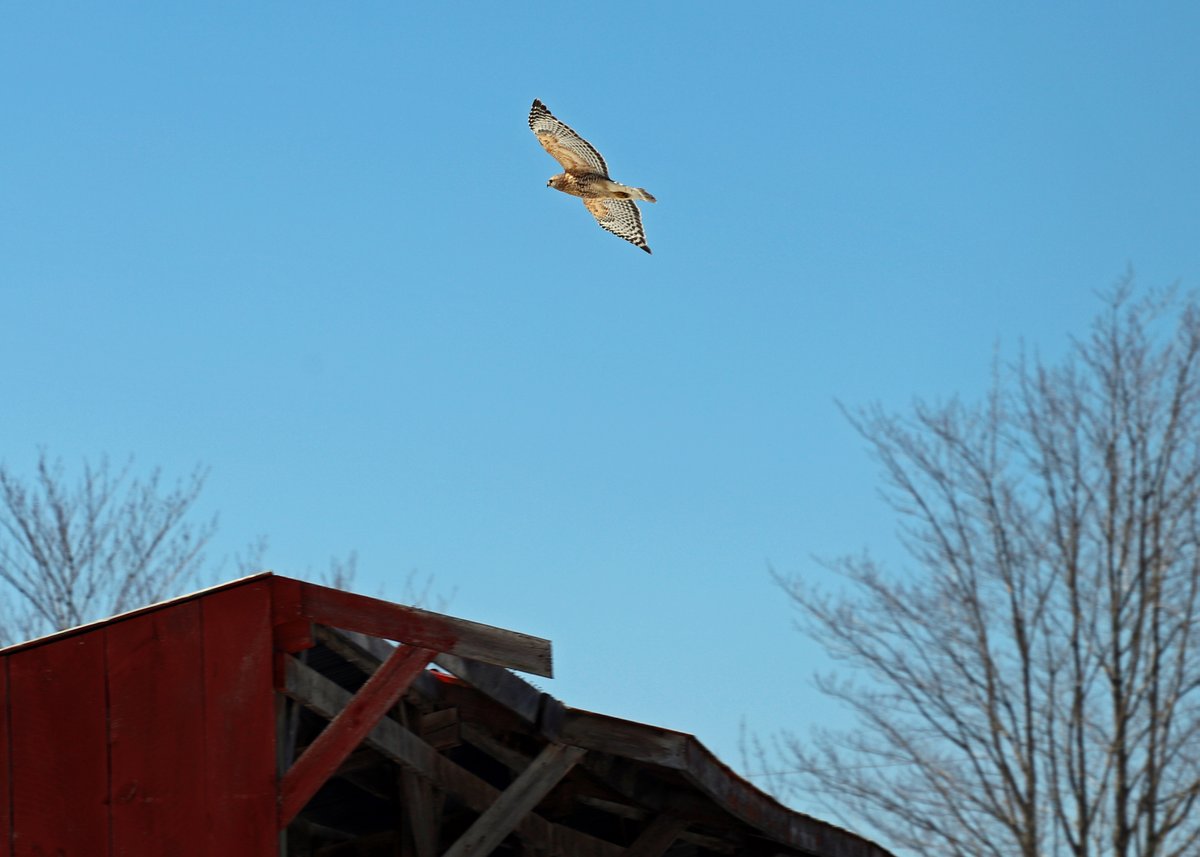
(310, 245)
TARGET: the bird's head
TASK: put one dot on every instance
(557, 182)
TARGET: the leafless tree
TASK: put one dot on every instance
(416, 590)
(1030, 684)
(108, 542)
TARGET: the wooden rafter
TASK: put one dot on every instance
(325, 698)
(424, 629)
(522, 795)
(349, 727)
(421, 808)
(657, 837)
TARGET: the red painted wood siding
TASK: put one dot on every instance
(155, 716)
(239, 723)
(58, 721)
(149, 735)
(5, 768)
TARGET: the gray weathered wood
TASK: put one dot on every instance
(657, 837)
(522, 795)
(514, 760)
(637, 813)
(426, 630)
(422, 811)
(324, 697)
(349, 727)
(366, 653)
(496, 683)
(626, 738)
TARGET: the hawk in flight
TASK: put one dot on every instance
(586, 176)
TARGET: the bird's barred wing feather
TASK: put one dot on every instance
(576, 154)
(620, 217)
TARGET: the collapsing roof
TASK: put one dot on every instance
(271, 716)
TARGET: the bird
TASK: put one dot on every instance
(586, 176)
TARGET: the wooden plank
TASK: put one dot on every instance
(5, 766)
(57, 741)
(441, 730)
(513, 693)
(155, 733)
(426, 630)
(239, 722)
(522, 795)
(659, 835)
(482, 739)
(422, 813)
(763, 812)
(626, 738)
(348, 729)
(366, 653)
(322, 696)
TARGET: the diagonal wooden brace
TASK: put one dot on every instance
(522, 795)
(347, 730)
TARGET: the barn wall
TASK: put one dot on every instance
(239, 723)
(149, 735)
(5, 791)
(59, 769)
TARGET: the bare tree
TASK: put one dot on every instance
(1030, 685)
(109, 542)
(417, 590)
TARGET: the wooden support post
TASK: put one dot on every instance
(659, 835)
(522, 795)
(422, 812)
(348, 729)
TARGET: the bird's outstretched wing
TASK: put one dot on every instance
(576, 154)
(620, 217)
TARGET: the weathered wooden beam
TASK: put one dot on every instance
(518, 696)
(514, 760)
(421, 811)
(426, 630)
(348, 729)
(625, 738)
(364, 652)
(442, 729)
(325, 698)
(614, 807)
(659, 835)
(637, 813)
(522, 795)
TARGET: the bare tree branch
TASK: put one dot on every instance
(1031, 685)
(70, 553)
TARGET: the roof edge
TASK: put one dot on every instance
(137, 611)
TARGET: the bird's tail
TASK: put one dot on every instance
(624, 191)
(642, 194)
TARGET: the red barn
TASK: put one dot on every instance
(272, 717)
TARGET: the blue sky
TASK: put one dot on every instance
(310, 245)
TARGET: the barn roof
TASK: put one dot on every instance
(434, 746)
